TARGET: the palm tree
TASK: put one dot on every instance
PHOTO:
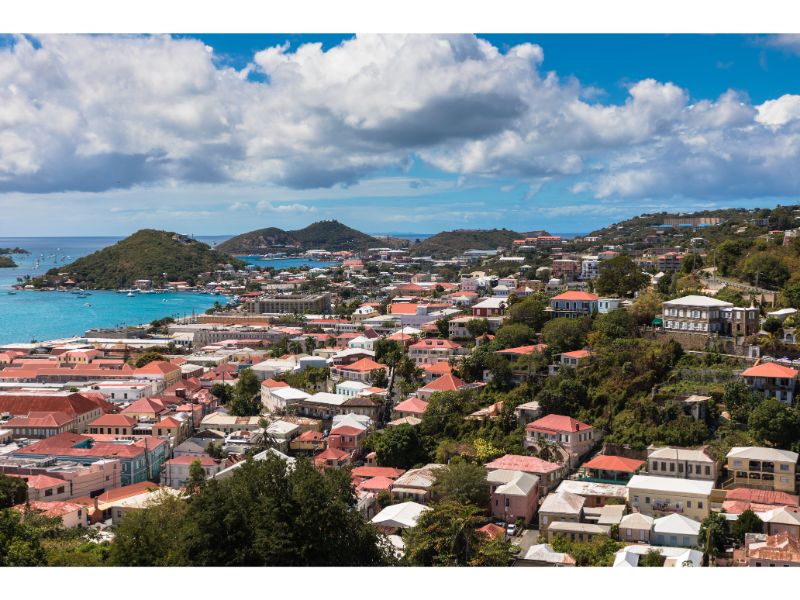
(295, 347)
(263, 438)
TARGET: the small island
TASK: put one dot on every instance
(15, 250)
(7, 263)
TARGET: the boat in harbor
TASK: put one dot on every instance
(131, 294)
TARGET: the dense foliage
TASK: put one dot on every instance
(330, 235)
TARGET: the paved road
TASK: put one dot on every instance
(529, 537)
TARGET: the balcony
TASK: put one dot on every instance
(667, 507)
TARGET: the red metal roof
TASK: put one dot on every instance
(557, 423)
(613, 463)
(585, 296)
(770, 369)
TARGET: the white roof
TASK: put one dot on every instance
(677, 524)
(592, 488)
(703, 301)
(636, 521)
(352, 385)
(562, 503)
(260, 456)
(328, 398)
(401, 515)
(670, 484)
(680, 454)
(545, 553)
(282, 428)
(675, 557)
(351, 420)
(781, 312)
(521, 485)
(760, 453)
(289, 393)
(491, 303)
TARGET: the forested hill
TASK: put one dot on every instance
(160, 256)
(326, 235)
(452, 243)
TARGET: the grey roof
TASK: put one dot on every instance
(520, 485)
(703, 301)
(668, 453)
(670, 484)
(592, 488)
(636, 521)
(579, 527)
(677, 524)
(564, 503)
(759, 453)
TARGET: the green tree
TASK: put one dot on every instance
(13, 490)
(153, 536)
(748, 522)
(446, 535)
(620, 276)
(223, 392)
(597, 553)
(477, 327)
(246, 397)
(197, 477)
(379, 378)
(713, 535)
(463, 482)
(530, 311)
(653, 558)
(443, 327)
(495, 552)
(646, 306)
(775, 423)
(388, 352)
(511, 335)
(147, 357)
(771, 325)
(611, 326)
(20, 544)
(766, 270)
(740, 400)
(790, 294)
(399, 447)
(563, 334)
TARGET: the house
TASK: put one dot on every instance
(146, 409)
(361, 370)
(490, 307)
(577, 438)
(351, 388)
(433, 350)
(573, 304)
(140, 457)
(596, 494)
(685, 463)
(694, 314)
(308, 442)
(514, 495)
(347, 438)
(229, 423)
(659, 496)
(332, 458)
(577, 532)
(162, 372)
(398, 516)
(738, 500)
(560, 507)
(411, 407)
(763, 468)
(636, 527)
(781, 520)
(772, 380)
(277, 399)
(527, 412)
(543, 555)
(40, 425)
(177, 470)
(676, 530)
(550, 474)
(780, 550)
(610, 469)
(72, 514)
(575, 358)
(113, 424)
(629, 556)
(83, 409)
(445, 383)
(416, 484)
(175, 427)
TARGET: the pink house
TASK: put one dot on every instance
(346, 438)
(412, 407)
(550, 474)
(514, 495)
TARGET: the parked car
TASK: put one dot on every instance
(511, 529)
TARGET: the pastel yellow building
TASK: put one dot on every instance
(763, 468)
(661, 496)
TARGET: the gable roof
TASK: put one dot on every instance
(113, 421)
(770, 369)
(363, 365)
(412, 405)
(446, 383)
(557, 423)
(518, 462)
(585, 296)
(613, 463)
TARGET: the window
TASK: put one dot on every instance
(647, 499)
(688, 504)
(699, 504)
(60, 490)
(708, 470)
(672, 467)
(48, 492)
(784, 467)
(636, 499)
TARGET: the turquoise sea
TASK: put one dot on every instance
(29, 315)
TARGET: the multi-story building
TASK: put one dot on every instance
(291, 303)
(660, 496)
(576, 437)
(490, 307)
(683, 463)
(763, 468)
(694, 314)
(565, 269)
(574, 304)
(669, 262)
(433, 350)
(773, 380)
(590, 267)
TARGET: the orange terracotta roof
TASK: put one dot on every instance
(368, 472)
(585, 296)
(412, 405)
(363, 365)
(557, 423)
(518, 462)
(770, 369)
(613, 463)
(113, 421)
(445, 383)
(524, 350)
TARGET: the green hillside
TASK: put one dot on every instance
(326, 235)
(147, 254)
(452, 243)
(6, 262)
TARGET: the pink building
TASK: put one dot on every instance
(346, 438)
(514, 495)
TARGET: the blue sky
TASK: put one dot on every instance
(218, 134)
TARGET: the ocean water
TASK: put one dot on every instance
(29, 315)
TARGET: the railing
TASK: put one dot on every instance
(668, 508)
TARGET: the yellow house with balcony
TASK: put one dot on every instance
(762, 468)
(662, 496)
